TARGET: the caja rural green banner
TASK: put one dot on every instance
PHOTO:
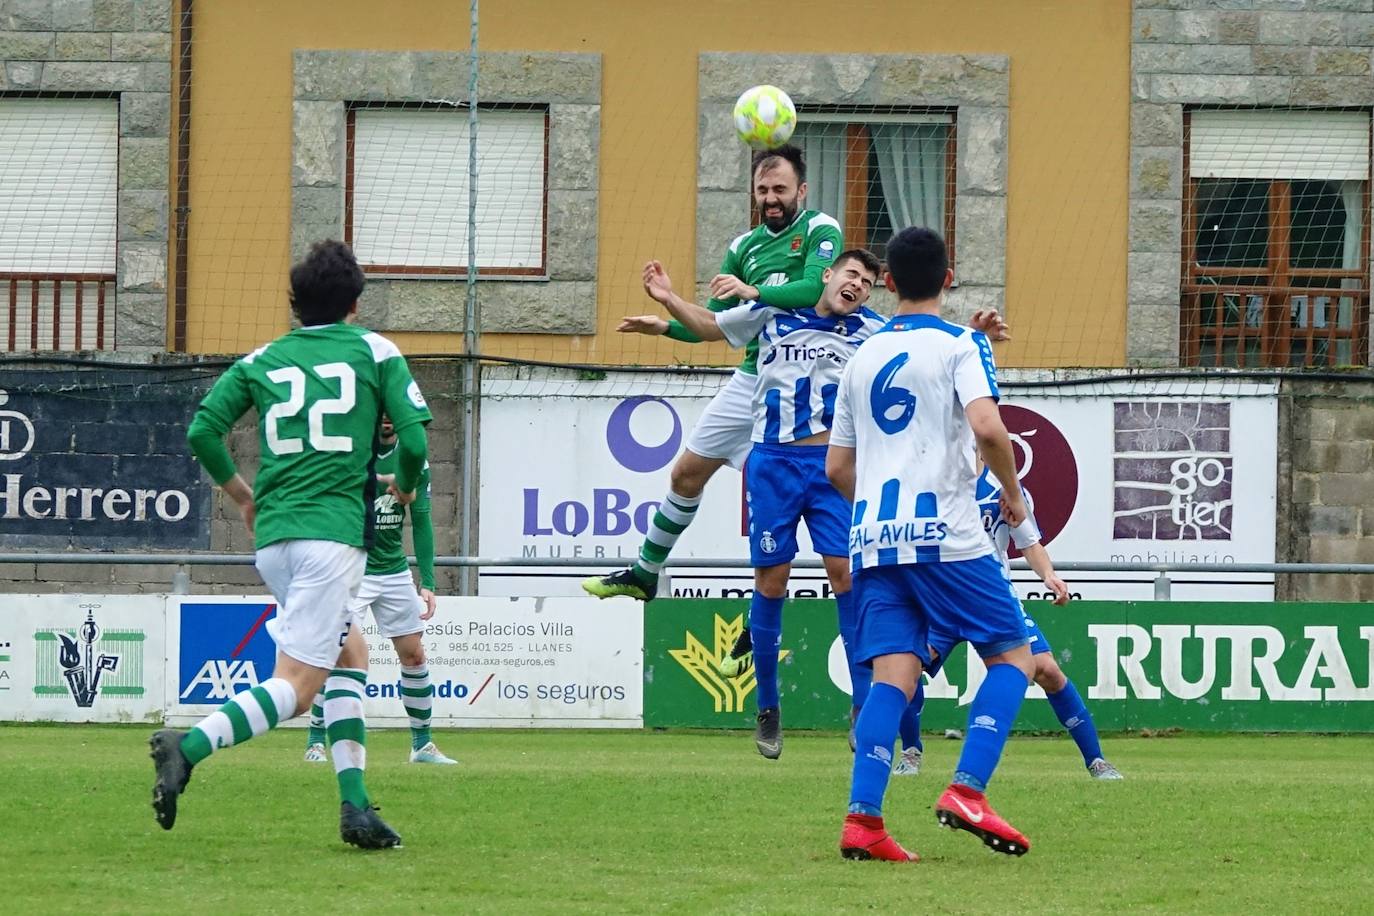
(1204, 666)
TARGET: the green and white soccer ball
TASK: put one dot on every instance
(765, 117)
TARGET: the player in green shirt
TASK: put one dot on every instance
(779, 263)
(389, 592)
(319, 392)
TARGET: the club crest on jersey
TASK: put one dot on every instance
(766, 543)
(796, 243)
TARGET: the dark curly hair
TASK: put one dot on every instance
(326, 283)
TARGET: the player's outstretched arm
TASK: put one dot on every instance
(699, 321)
(991, 323)
(1039, 559)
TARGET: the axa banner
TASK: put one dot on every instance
(1130, 471)
(220, 646)
(81, 658)
(529, 662)
(1205, 666)
(99, 459)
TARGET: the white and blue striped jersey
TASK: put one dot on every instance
(901, 407)
(801, 356)
(988, 494)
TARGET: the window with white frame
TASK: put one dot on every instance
(59, 170)
(407, 194)
(879, 172)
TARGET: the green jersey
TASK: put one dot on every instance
(785, 266)
(388, 553)
(319, 392)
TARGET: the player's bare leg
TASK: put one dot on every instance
(417, 695)
(640, 581)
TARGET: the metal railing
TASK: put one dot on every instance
(1163, 584)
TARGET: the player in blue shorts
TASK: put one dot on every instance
(912, 404)
(801, 354)
(1064, 698)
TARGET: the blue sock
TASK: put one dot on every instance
(765, 624)
(990, 718)
(874, 733)
(860, 676)
(1074, 716)
(910, 728)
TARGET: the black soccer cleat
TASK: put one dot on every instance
(364, 828)
(173, 772)
(625, 582)
(768, 733)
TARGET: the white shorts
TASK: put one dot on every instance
(726, 428)
(314, 583)
(395, 604)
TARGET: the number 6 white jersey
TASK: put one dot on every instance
(901, 407)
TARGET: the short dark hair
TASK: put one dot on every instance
(917, 260)
(326, 283)
(865, 257)
(767, 158)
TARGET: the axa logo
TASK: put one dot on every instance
(702, 663)
(86, 662)
(225, 649)
(223, 678)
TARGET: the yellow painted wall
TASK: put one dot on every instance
(1070, 59)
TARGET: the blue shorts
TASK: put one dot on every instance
(942, 643)
(785, 484)
(900, 609)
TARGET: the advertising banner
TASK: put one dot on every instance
(493, 662)
(81, 658)
(1207, 667)
(1130, 471)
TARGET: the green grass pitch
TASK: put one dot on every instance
(625, 822)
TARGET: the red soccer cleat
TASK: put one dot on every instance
(864, 837)
(962, 808)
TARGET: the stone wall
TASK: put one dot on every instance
(1275, 53)
(121, 48)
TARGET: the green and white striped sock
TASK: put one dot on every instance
(315, 734)
(671, 518)
(343, 720)
(247, 715)
(417, 695)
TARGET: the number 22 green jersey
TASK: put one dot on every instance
(319, 392)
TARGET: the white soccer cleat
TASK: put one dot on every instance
(1101, 769)
(909, 763)
(315, 754)
(430, 754)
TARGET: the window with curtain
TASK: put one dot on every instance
(1276, 239)
(878, 173)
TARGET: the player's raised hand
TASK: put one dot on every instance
(991, 323)
(643, 324)
(402, 497)
(657, 283)
(728, 286)
(1059, 587)
(427, 597)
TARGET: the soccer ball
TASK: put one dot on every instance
(765, 117)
